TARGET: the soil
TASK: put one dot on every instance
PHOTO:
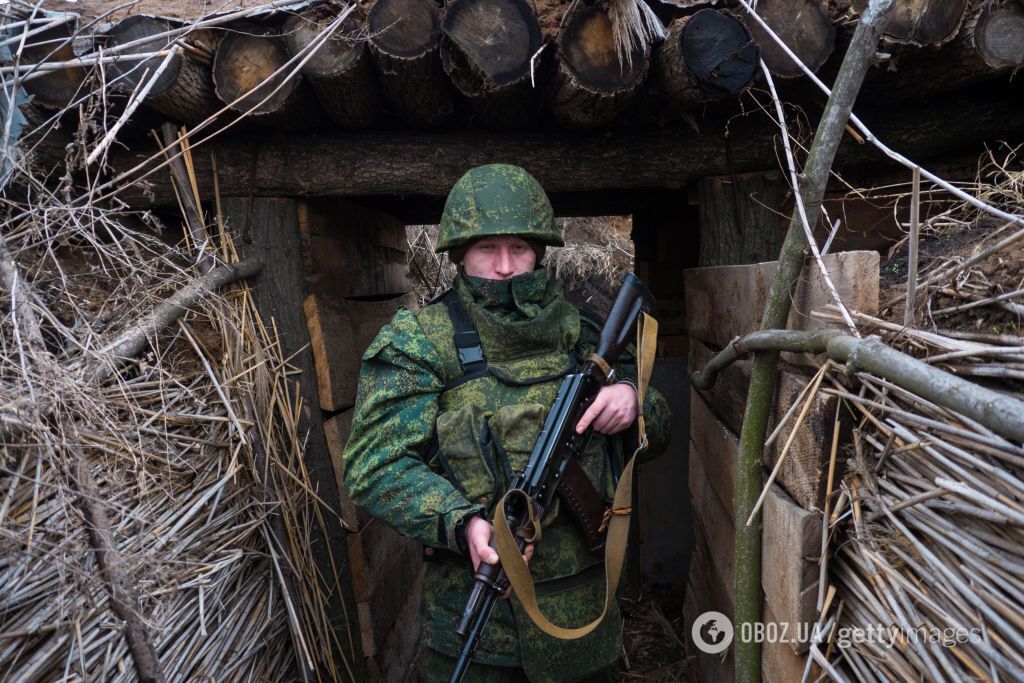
(998, 273)
(654, 633)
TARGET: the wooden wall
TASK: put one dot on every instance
(724, 302)
(354, 281)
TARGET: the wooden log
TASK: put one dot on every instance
(341, 70)
(593, 83)
(740, 218)
(405, 42)
(996, 33)
(802, 25)
(789, 552)
(377, 164)
(250, 64)
(704, 593)
(488, 50)
(184, 90)
(915, 22)
(55, 89)
(779, 661)
(705, 56)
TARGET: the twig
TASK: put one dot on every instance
(915, 212)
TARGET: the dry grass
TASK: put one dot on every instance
(926, 530)
(194, 448)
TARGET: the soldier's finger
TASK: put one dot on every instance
(593, 411)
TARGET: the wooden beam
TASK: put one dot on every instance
(403, 163)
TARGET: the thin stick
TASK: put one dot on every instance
(915, 213)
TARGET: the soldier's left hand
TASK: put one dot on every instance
(613, 410)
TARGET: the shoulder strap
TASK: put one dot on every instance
(467, 341)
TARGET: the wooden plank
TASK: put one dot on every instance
(780, 663)
(703, 595)
(803, 474)
(336, 430)
(351, 251)
(339, 331)
(725, 302)
(790, 547)
(268, 229)
(714, 517)
(714, 448)
(394, 662)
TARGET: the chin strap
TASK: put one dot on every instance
(617, 518)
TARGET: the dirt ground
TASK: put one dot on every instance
(654, 633)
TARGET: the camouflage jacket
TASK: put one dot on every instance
(427, 450)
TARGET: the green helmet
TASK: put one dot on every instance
(497, 199)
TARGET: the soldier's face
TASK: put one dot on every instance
(499, 257)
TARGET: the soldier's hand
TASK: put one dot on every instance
(478, 539)
(613, 410)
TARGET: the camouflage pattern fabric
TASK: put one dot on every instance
(497, 199)
(484, 429)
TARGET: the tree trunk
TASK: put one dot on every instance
(706, 56)
(245, 67)
(740, 218)
(184, 91)
(56, 89)
(802, 25)
(591, 84)
(405, 45)
(341, 70)
(487, 52)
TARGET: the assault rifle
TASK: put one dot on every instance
(557, 444)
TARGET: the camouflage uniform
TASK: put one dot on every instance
(427, 451)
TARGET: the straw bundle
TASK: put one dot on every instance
(155, 513)
(926, 530)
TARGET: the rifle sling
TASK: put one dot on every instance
(618, 525)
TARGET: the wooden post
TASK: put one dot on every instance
(268, 228)
(915, 214)
(739, 218)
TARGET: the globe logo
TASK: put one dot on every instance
(712, 632)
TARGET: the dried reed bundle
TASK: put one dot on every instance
(155, 503)
(926, 530)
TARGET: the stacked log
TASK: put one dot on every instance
(802, 25)
(184, 89)
(921, 22)
(54, 89)
(340, 70)
(488, 52)
(995, 32)
(405, 42)
(250, 76)
(593, 83)
(706, 56)
(988, 43)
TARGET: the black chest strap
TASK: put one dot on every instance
(467, 341)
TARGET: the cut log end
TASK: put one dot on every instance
(588, 48)
(334, 56)
(133, 73)
(718, 51)
(999, 35)
(56, 89)
(924, 22)
(246, 61)
(802, 25)
(404, 28)
(496, 38)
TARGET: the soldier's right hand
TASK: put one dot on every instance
(478, 540)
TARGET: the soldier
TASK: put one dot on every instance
(451, 400)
